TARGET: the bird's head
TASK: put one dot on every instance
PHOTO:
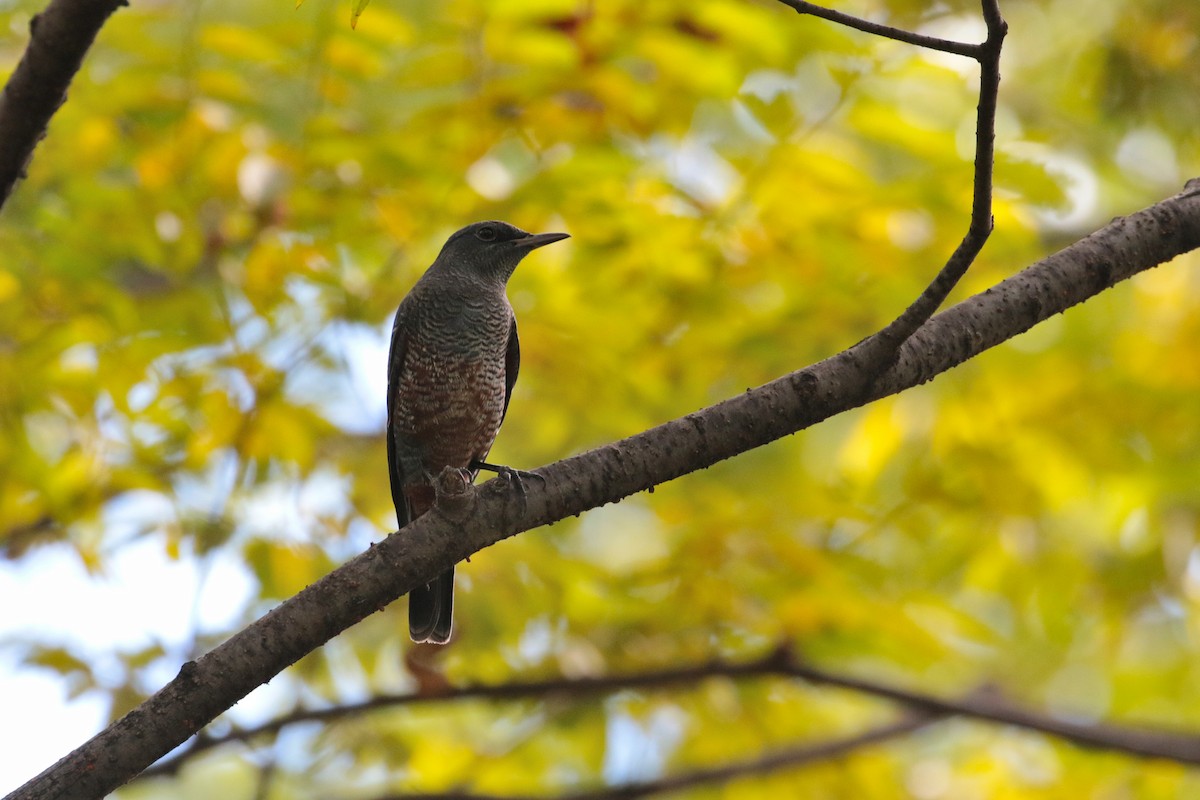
(491, 249)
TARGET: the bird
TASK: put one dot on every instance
(452, 364)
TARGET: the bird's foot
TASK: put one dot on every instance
(509, 473)
(453, 491)
(515, 477)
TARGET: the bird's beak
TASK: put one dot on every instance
(536, 240)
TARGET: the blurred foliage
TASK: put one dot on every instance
(197, 281)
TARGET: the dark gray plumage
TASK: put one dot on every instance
(453, 362)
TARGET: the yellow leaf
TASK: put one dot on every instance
(9, 285)
(241, 43)
(873, 443)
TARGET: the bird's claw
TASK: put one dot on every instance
(508, 472)
(515, 477)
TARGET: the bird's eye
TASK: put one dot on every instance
(487, 234)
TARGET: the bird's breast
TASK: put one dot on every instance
(450, 396)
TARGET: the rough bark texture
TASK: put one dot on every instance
(467, 519)
(59, 38)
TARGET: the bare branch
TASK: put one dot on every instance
(1142, 742)
(514, 690)
(878, 351)
(886, 31)
(980, 227)
(988, 706)
(59, 38)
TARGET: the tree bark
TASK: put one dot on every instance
(59, 37)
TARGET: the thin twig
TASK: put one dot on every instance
(880, 349)
(516, 690)
(886, 31)
(1142, 742)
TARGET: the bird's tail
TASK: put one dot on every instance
(431, 610)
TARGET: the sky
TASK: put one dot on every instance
(145, 596)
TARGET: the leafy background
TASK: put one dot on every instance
(198, 275)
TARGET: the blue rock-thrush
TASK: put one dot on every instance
(453, 362)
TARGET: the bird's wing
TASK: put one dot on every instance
(395, 362)
(512, 362)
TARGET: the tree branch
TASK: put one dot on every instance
(908, 37)
(773, 664)
(469, 518)
(59, 38)
(879, 350)
(987, 705)
(886, 343)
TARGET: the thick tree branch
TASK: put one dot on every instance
(782, 759)
(59, 38)
(467, 518)
(988, 706)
